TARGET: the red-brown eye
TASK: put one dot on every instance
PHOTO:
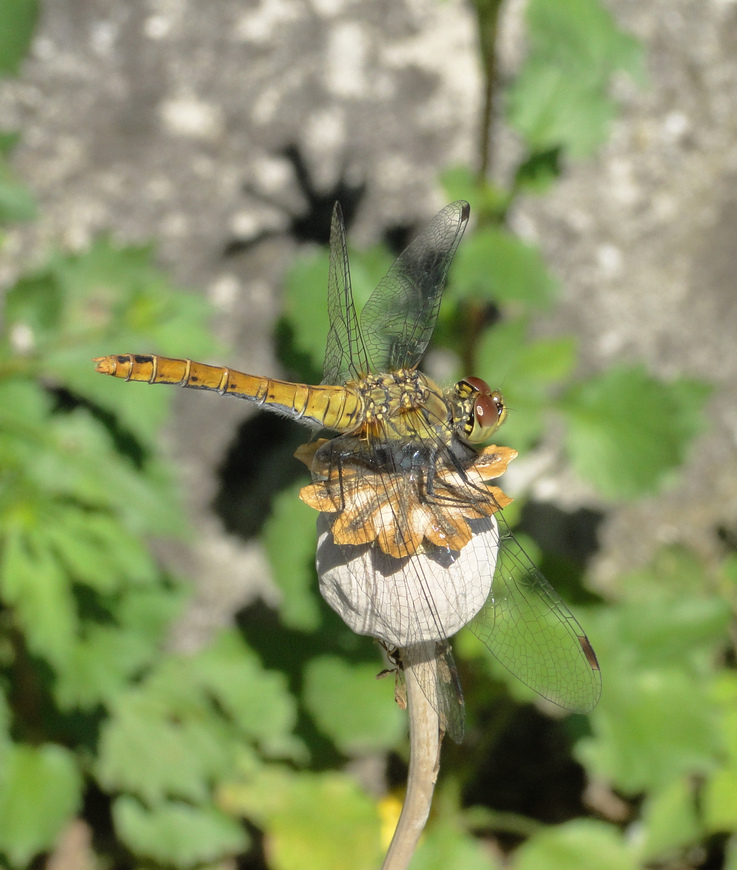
(488, 411)
(485, 410)
(478, 384)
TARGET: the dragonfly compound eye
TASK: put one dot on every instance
(487, 410)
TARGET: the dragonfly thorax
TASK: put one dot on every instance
(405, 405)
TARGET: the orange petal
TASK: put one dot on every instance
(306, 452)
(491, 462)
(454, 532)
(320, 498)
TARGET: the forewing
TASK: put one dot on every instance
(529, 629)
(345, 354)
(398, 320)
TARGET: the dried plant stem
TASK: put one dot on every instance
(419, 662)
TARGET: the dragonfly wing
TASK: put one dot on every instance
(529, 629)
(345, 354)
(450, 695)
(398, 320)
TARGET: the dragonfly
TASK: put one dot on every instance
(412, 544)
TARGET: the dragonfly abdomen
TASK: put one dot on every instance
(339, 409)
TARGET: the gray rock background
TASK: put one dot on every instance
(166, 120)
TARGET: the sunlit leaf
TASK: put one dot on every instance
(22, 404)
(184, 723)
(177, 834)
(488, 201)
(494, 265)
(293, 566)
(156, 745)
(305, 305)
(627, 431)
(560, 97)
(719, 800)
(631, 747)
(17, 23)
(257, 700)
(292, 807)
(527, 372)
(579, 845)
(670, 820)
(16, 200)
(351, 706)
(114, 300)
(719, 792)
(306, 294)
(40, 790)
(35, 586)
(101, 666)
(445, 846)
(85, 468)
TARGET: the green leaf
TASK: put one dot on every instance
(114, 300)
(719, 793)
(578, 845)
(257, 700)
(311, 821)
(551, 110)
(17, 23)
(22, 404)
(657, 651)
(352, 707)
(669, 820)
(180, 729)
(305, 304)
(631, 747)
(293, 567)
(101, 666)
(84, 467)
(40, 791)
(488, 202)
(494, 265)
(16, 200)
(164, 741)
(36, 302)
(527, 371)
(730, 854)
(583, 36)
(627, 431)
(177, 834)
(537, 173)
(719, 801)
(560, 97)
(149, 611)
(36, 587)
(442, 847)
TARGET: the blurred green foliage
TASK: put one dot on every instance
(164, 753)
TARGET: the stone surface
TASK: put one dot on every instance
(169, 120)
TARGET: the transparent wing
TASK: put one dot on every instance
(529, 629)
(452, 705)
(398, 320)
(345, 353)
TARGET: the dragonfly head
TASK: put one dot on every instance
(481, 410)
